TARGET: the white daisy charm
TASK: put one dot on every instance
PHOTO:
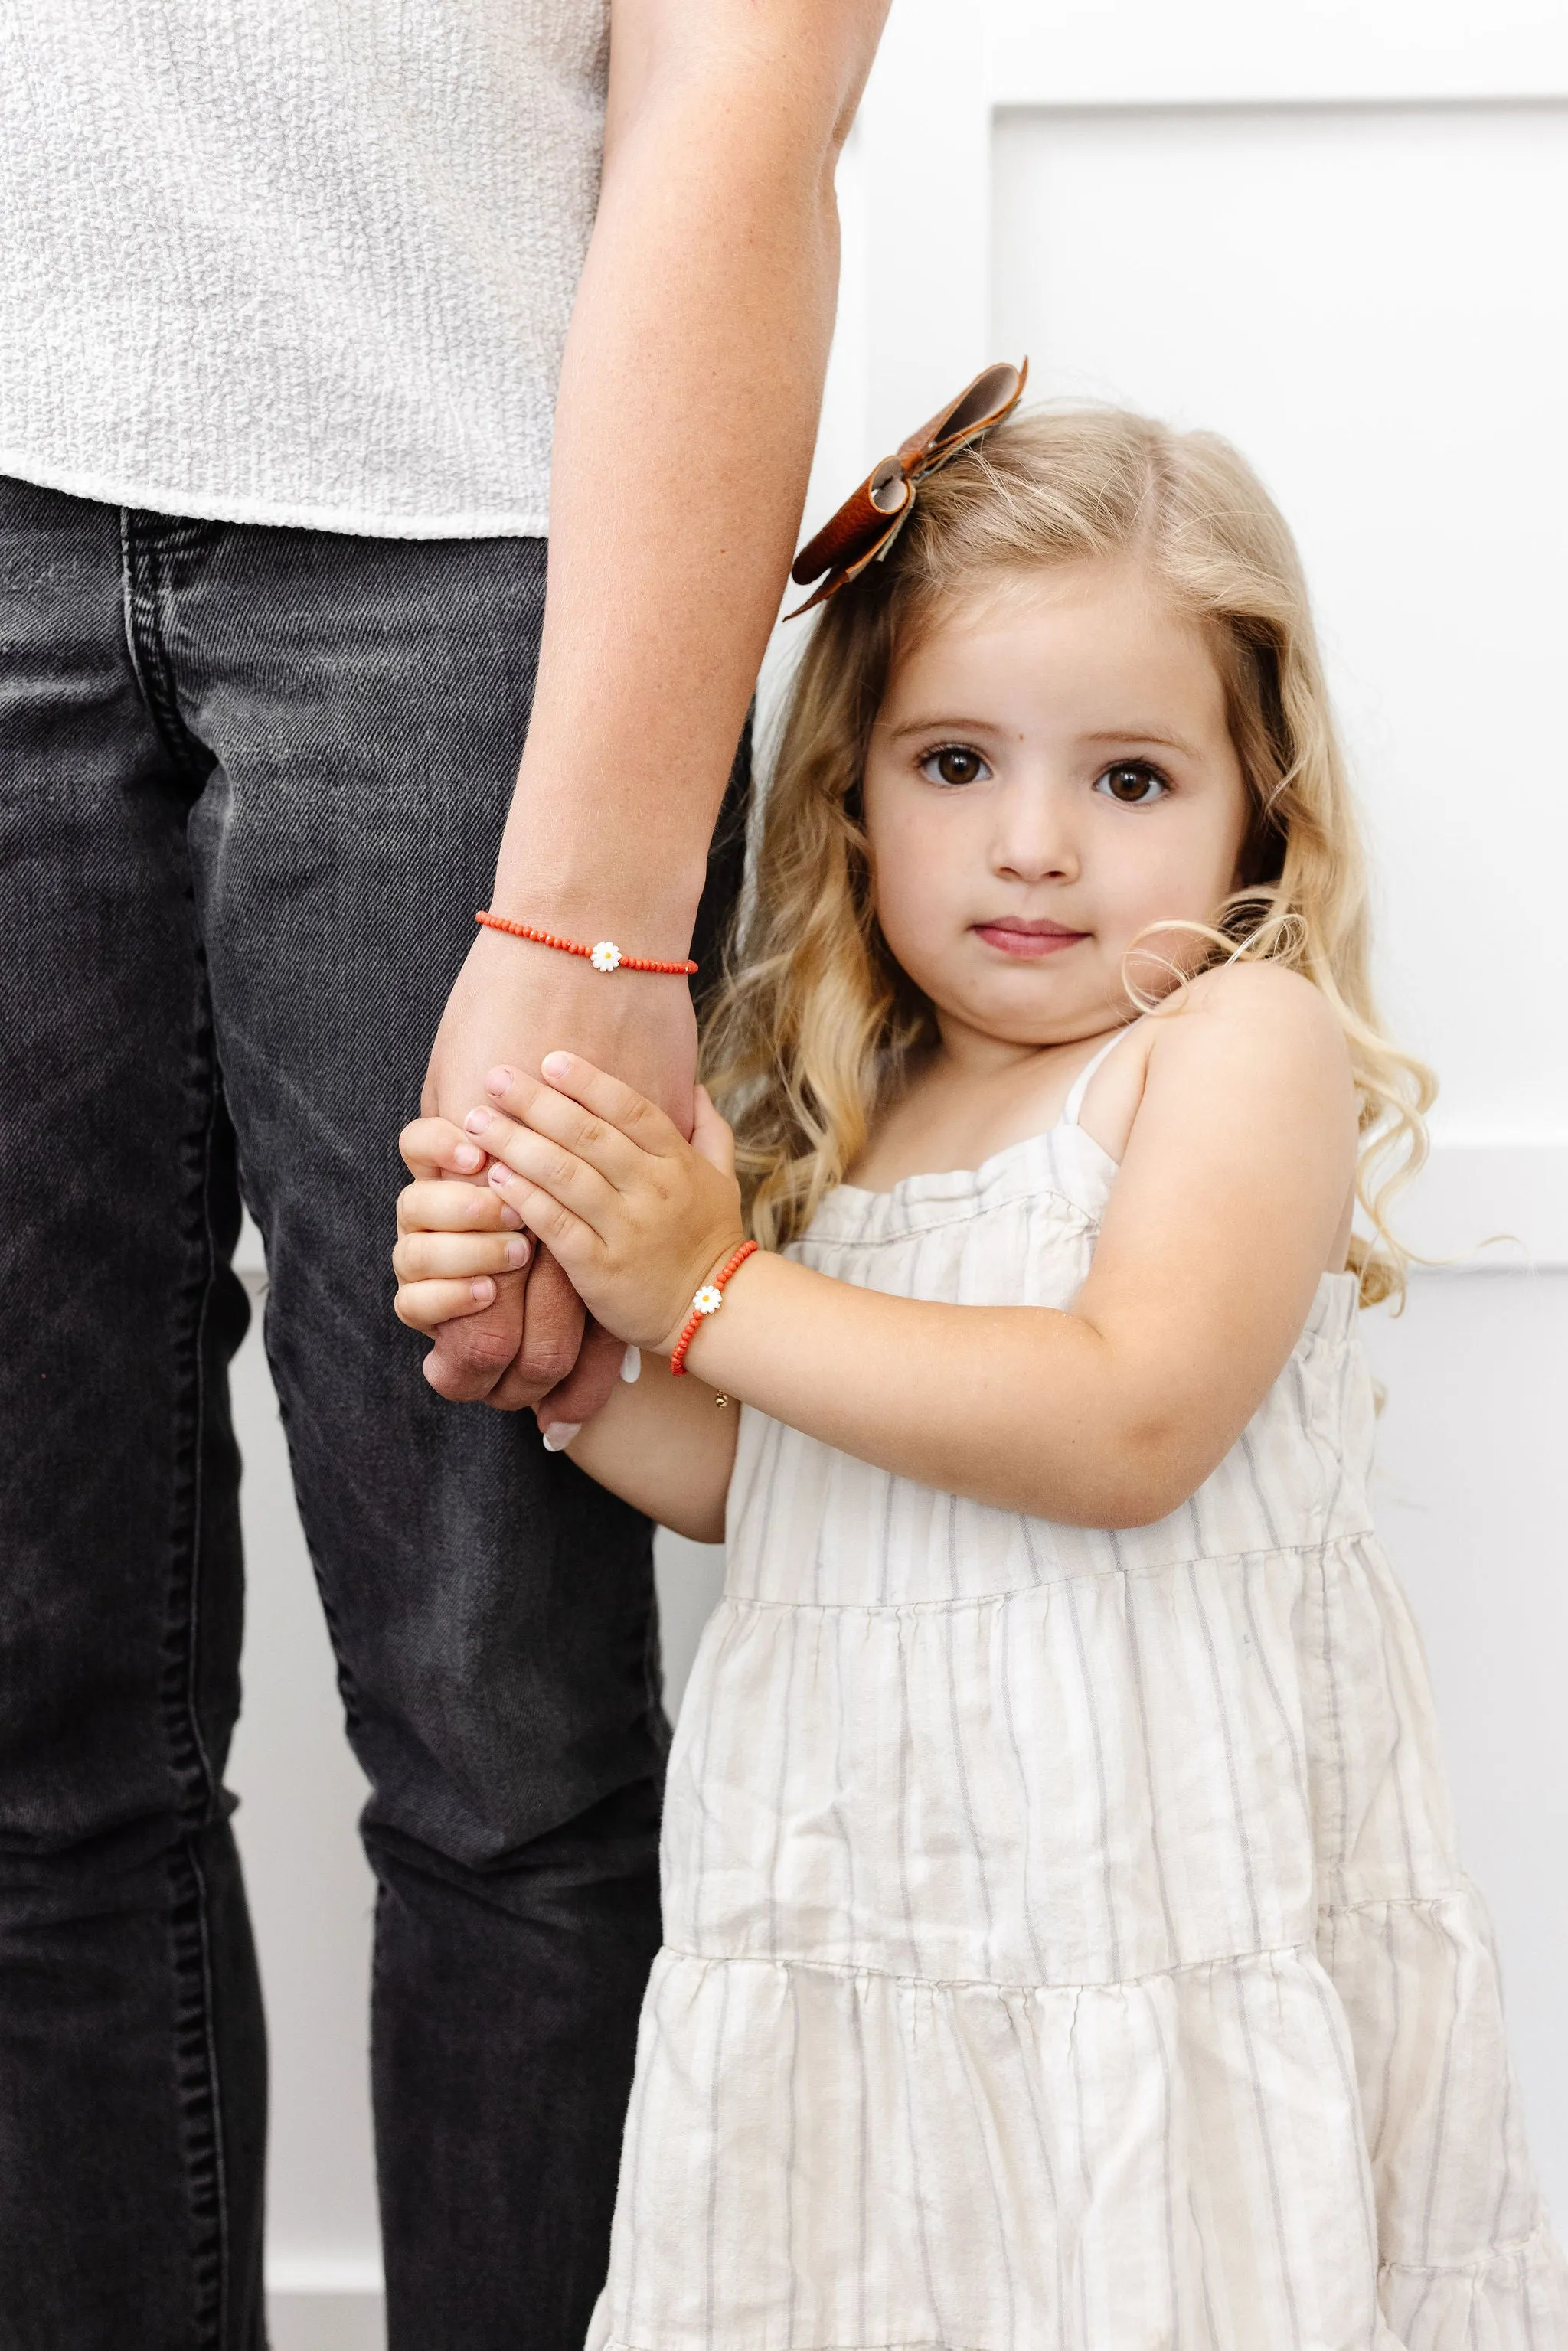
(606, 956)
(708, 1300)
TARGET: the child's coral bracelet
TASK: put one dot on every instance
(604, 957)
(709, 1301)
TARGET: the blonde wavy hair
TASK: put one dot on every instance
(815, 1027)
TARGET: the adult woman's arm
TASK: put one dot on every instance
(685, 425)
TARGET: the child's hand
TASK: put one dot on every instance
(454, 1236)
(637, 1216)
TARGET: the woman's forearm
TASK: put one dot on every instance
(688, 412)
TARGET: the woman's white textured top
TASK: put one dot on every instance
(306, 261)
(1065, 1948)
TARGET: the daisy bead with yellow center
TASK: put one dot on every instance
(606, 956)
(708, 1300)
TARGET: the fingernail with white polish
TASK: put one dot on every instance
(632, 1364)
(559, 1434)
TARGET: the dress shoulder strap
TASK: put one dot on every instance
(1074, 1102)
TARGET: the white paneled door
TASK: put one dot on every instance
(1332, 233)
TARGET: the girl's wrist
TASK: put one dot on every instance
(728, 1262)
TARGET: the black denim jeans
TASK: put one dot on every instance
(252, 782)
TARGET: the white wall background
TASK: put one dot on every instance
(1333, 232)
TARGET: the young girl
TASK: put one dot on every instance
(1066, 1946)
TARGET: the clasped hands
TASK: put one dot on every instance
(636, 1216)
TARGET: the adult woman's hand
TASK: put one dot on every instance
(534, 1341)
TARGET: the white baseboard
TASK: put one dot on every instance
(341, 2314)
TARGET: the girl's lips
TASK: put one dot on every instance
(1029, 941)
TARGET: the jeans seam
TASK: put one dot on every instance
(142, 603)
(196, 2058)
(192, 1710)
(191, 1693)
(192, 1764)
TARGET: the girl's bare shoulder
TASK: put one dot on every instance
(1214, 1046)
(1251, 1041)
(1232, 1011)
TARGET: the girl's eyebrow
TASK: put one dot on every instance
(942, 721)
(1141, 734)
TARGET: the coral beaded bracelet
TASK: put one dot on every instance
(709, 1301)
(604, 957)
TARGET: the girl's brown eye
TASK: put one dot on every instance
(955, 763)
(1133, 783)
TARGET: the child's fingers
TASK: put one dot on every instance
(557, 1119)
(712, 1138)
(434, 1147)
(426, 1305)
(588, 1136)
(568, 1238)
(453, 1206)
(451, 1257)
(618, 1104)
(550, 1167)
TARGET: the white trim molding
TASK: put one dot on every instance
(1080, 52)
(1486, 1206)
(325, 2304)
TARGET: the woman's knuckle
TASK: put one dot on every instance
(554, 1359)
(481, 1351)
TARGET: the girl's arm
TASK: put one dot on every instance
(667, 1446)
(1233, 1191)
(1226, 1212)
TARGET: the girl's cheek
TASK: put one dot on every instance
(917, 883)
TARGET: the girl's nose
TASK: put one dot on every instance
(1034, 840)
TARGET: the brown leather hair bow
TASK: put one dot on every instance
(866, 525)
